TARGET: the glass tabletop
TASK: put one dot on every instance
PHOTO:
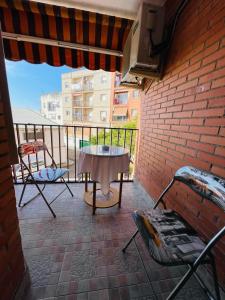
(103, 150)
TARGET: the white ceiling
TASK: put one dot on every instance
(120, 8)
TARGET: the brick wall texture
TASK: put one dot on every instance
(11, 256)
(182, 116)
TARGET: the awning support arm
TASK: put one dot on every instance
(51, 42)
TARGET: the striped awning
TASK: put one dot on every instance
(43, 33)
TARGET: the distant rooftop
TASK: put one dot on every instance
(28, 116)
(82, 72)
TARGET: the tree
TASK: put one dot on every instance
(122, 136)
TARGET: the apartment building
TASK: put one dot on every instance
(52, 107)
(125, 102)
(91, 98)
(87, 97)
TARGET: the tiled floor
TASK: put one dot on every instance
(78, 256)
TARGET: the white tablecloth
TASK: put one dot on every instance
(103, 169)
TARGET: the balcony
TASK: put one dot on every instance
(78, 256)
(88, 100)
(64, 143)
(77, 103)
(88, 118)
(88, 86)
(77, 86)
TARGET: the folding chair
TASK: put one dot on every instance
(170, 239)
(43, 176)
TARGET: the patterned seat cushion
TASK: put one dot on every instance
(49, 174)
(169, 238)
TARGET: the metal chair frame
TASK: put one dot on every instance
(30, 179)
(200, 259)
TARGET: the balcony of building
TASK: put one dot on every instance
(77, 114)
(88, 100)
(88, 115)
(77, 85)
(77, 101)
(88, 83)
(78, 256)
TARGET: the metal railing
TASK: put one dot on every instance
(64, 143)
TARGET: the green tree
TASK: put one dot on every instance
(122, 136)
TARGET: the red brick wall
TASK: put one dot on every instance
(11, 256)
(182, 116)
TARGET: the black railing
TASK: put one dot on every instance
(64, 143)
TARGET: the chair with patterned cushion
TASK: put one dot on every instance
(169, 238)
(42, 176)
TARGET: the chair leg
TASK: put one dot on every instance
(23, 190)
(31, 199)
(180, 284)
(67, 186)
(215, 278)
(40, 191)
(131, 239)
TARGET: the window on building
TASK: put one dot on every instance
(103, 98)
(51, 106)
(67, 112)
(119, 118)
(90, 116)
(66, 85)
(103, 116)
(77, 114)
(121, 98)
(43, 105)
(134, 113)
(77, 101)
(136, 93)
(90, 100)
(57, 104)
(88, 83)
(103, 79)
(59, 117)
(117, 79)
(77, 86)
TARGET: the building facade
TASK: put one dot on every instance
(91, 98)
(52, 107)
(87, 97)
(125, 102)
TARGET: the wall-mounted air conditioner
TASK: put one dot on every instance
(141, 56)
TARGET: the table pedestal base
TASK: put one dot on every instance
(88, 198)
(91, 199)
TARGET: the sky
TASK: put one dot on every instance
(27, 82)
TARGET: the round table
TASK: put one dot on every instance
(103, 163)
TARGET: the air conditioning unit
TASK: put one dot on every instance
(140, 58)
